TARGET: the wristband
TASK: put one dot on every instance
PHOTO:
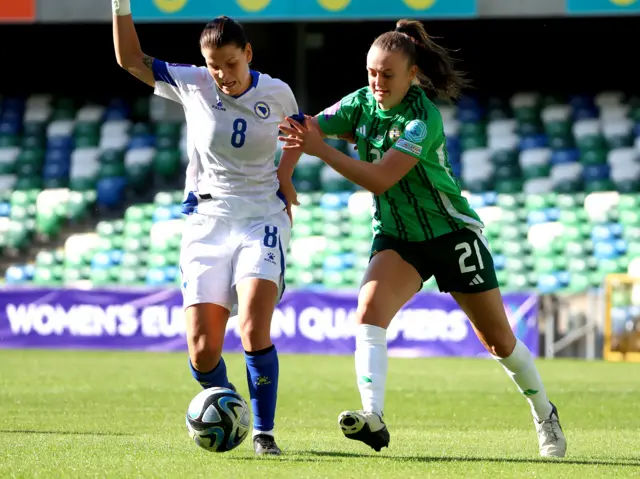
(121, 7)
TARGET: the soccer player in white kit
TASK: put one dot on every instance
(238, 225)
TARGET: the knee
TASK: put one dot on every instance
(502, 345)
(372, 313)
(255, 333)
(204, 357)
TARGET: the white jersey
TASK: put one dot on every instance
(231, 140)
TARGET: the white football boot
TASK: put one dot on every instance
(550, 436)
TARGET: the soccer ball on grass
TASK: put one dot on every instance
(218, 419)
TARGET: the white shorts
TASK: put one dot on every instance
(216, 253)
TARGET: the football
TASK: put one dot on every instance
(218, 419)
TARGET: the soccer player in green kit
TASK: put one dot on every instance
(422, 224)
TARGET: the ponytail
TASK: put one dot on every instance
(436, 73)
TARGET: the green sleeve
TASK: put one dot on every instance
(340, 118)
(419, 136)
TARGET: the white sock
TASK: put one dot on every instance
(371, 366)
(256, 432)
(522, 370)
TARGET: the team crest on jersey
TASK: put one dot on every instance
(415, 131)
(395, 132)
(262, 110)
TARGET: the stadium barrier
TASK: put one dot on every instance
(622, 318)
(317, 322)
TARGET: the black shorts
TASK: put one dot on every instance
(460, 260)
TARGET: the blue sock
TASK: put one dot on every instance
(217, 377)
(262, 377)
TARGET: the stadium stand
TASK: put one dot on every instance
(555, 180)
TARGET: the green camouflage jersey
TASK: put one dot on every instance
(427, 202)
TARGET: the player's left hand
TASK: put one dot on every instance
(304, 138)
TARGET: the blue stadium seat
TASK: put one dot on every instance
(111, 191)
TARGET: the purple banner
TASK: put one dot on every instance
(431, 324)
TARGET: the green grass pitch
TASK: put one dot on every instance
(118, 414)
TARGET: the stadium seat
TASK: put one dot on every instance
(51, 211)
(85, 169)
(138, 165)
(8, 159)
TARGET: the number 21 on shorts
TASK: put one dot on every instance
(466, 254)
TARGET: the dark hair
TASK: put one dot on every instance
(436, 74)
(223, 31)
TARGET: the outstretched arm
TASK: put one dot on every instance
(129, 54)
(375, 177)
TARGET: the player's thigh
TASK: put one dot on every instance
(389, 282)
(206, 262)
(205, 325)
(259, 268)
(262, 252)
(489, 319)
(463, 266)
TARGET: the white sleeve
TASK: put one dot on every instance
(175, 81)
(288, 101)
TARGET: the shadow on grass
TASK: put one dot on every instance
(64, 433)
(585, 462)
(317, 456)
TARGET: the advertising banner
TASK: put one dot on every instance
(431, 324)
(295, 10)
(599, 7)
(17, 10)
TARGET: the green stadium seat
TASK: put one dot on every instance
(137, 230)
(33, 142)
(34, 129)
(79, 204)
(101, 277)
(138, 164)
(307, 174)
(468, 129)
(169, 129)
(87, 128)
(33, 156)
(166, 163)
(526, 114)
(48, 276)
(112, 170)
(130, 277)
(540, 202)
(9, 141)
(140, 109)
(8, 160)
(332, 181)
(17, 234)
(51, 212)
(111, 157)
(473, 142)
(504, 157)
